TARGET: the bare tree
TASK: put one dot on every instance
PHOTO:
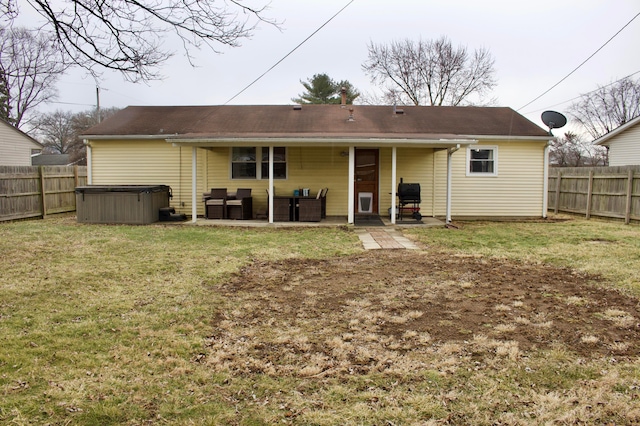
(608, 107)
(572, 150)
(56, 132)
(30, 66)
(430, 72)
(128, 35)
(60, 131)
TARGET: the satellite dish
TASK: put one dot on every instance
(553, 120)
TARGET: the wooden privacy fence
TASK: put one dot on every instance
(27, 192)
(596, 191)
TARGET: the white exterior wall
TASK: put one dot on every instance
(15, 148)
(624, 149)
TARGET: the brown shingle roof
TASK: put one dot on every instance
(329, 121)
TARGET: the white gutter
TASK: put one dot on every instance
(127, 137)
(312, 141)
(506, 138)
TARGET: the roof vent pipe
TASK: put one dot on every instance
(351, 115)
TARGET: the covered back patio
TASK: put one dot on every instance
(367, 170)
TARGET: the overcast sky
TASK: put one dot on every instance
(534, 43)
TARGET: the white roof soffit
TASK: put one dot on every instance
(369, 142)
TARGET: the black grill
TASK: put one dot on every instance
(409, 198)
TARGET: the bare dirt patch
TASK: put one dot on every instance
(369, 310)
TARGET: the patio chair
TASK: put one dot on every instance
(242, 206)
(310, 209)
(323, 197)
(216, 204)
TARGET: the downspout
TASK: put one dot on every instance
(89, 162)
(393, 184)
(545, 183)
(450, 152)
(194, 184)
(352, 172)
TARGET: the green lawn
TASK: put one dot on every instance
(108, 325)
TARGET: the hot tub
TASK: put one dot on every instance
(124, 204)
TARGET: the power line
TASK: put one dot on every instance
(583, 94)
(288, 54)
(583, 62)
(69, 103)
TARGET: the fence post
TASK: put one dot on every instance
(43, 197)
(75, 176)
(555, 210)
(627, 215)
(589, 194)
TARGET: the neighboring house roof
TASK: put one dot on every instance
(315, 121)
(50, 160)
(606, 139)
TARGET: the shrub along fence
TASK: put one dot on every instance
(612, 192)
(27, 192)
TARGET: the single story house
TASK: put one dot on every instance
(51, 160)
(623, 144)
(16, 147)
(470, 162)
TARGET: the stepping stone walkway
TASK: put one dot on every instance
(382, 238)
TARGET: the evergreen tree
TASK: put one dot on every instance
(321, 89)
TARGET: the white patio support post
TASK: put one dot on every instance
(351, 195)
(545, 183)
(271, 192)
(393, 184)
(194, 184)
(450, 152)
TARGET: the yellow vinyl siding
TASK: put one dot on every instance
(146, 162)
(516, 191)
(413, 165)
(312, 167)
(440, 180)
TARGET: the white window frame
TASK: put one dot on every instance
(258, 163)
(493, 148)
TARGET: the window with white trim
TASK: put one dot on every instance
(245, 164)
(482, 161)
